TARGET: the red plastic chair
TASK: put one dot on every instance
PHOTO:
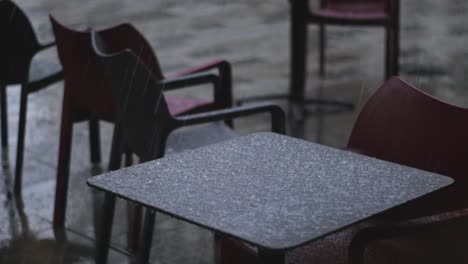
(401, 124)
(420, 131)
(382, 13)
(88, 96)
(18, 46)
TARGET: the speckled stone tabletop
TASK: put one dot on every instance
(272, 191)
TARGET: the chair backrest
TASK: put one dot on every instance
(401, 124)
(18, 43)
(143, 117)
(85, 82)
(389, 5)
(331, 2)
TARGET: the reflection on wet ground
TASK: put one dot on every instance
(254, 36)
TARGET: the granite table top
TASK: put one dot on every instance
(270, 190)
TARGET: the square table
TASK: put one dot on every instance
(272, 191)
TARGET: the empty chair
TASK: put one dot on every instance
(18, 46)
(437, 239)
(381, 13)
(401, 124)
(146, 127)
(376, 13)
(88, 96)
(407, 126)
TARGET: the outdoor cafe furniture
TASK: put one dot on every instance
(18, 47)
(375, 13)
(88, 95)
(146, 127)
(382, 13)
(401, 124)
(271, 191)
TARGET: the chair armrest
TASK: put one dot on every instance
(223, 94)
(42, 83)
(360, 241)
(46, 46)
(278, 118)
(215, 64)
(189, 81)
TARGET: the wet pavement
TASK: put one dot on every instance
(253, 35)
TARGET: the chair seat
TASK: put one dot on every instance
(445, 244)
(180, 105)
(365, 12)
(197, 136)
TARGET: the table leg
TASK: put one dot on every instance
(268, 256)
(105, 229)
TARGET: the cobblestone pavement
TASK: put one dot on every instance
(253, 35)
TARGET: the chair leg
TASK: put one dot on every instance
(395, 50)
(134, 214)
(21, 138)
(63, 169)
(298, 50)
(117, 149)
(391, 52)
(128, 158)
(147, 237)
(107, 212)
(105, 229)
(322, 51)
(387, 53)
(226, 98)
(94, 140)
(4, 118)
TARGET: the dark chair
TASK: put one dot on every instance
(18, 47)
(404, 125)
(401, 124)
(145, 124)
(437, 239)
(375, 13)
(383, 13)
(380, 13)
(88, 96)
